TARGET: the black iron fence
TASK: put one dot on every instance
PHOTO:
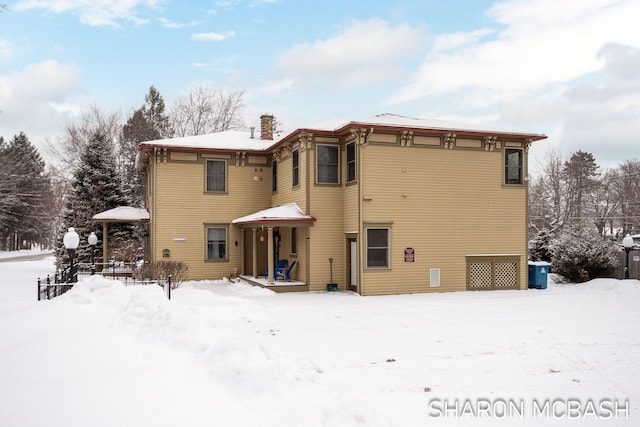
(67, 276)
(61, 284)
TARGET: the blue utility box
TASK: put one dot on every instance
(538, 272)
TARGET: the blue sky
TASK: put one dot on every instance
(569, 69)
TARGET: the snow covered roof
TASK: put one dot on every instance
(228, 140)
(240, 140)
(395, 120)
(123, 214)
(290, 212)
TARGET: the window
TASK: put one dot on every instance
(295, 162)
(513, 166)
(327, 164)
(274, 176)
(217, 244)
(294, 241)
(216, 175)
(351, 162)
(377, 247)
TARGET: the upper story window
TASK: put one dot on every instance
(327, 164)
(216, 175)
(274, 176)
(295, 168)
(513, 166)
(351, 161)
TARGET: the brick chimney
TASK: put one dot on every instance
(266, 126)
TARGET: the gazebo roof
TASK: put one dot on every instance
(289, 213)
(123, 214)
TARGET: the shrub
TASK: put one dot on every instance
(160, 270)
(539, 246)
(580, 253)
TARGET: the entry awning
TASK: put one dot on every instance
(279, 215)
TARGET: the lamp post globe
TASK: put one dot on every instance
(627, 242)
(71, 241)
(93, 241)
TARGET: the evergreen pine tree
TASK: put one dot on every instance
(96, 187)
(154, 112)
(25, 216)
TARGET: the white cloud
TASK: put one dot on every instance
(5, 49)
(215, 37)
(37, 99)
(601, 116)
(450, 41)
(364, 52)
(95, 12)
(542, 42)
(176, 25)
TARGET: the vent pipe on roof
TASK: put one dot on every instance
(252, 128)
(266, 126)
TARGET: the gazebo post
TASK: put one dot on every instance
(105, 243)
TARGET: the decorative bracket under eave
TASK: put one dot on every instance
(490, 143)
(449, 141)
(406, 138)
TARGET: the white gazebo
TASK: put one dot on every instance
(120, 214)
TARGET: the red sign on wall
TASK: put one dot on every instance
(409, 255)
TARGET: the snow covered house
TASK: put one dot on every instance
(386, 205)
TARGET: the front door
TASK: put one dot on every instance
(352, 263)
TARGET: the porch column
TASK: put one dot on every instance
(242, 255)
(270, 253)
(254, 241)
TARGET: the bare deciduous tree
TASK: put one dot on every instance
(206, 110)
(68, 149)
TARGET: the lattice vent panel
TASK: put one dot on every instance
(506, 275)
(480, 276)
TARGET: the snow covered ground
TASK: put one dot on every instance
(229, 354)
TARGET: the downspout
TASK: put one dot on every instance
(153, 168)
(306, 142)
(362, 134)
(525, 179)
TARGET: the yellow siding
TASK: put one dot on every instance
(287, 193)
(326, 237)
(444, 204)
(180, 225)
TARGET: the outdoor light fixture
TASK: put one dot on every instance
(71, 241)
(627, 242)
(93, 241)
